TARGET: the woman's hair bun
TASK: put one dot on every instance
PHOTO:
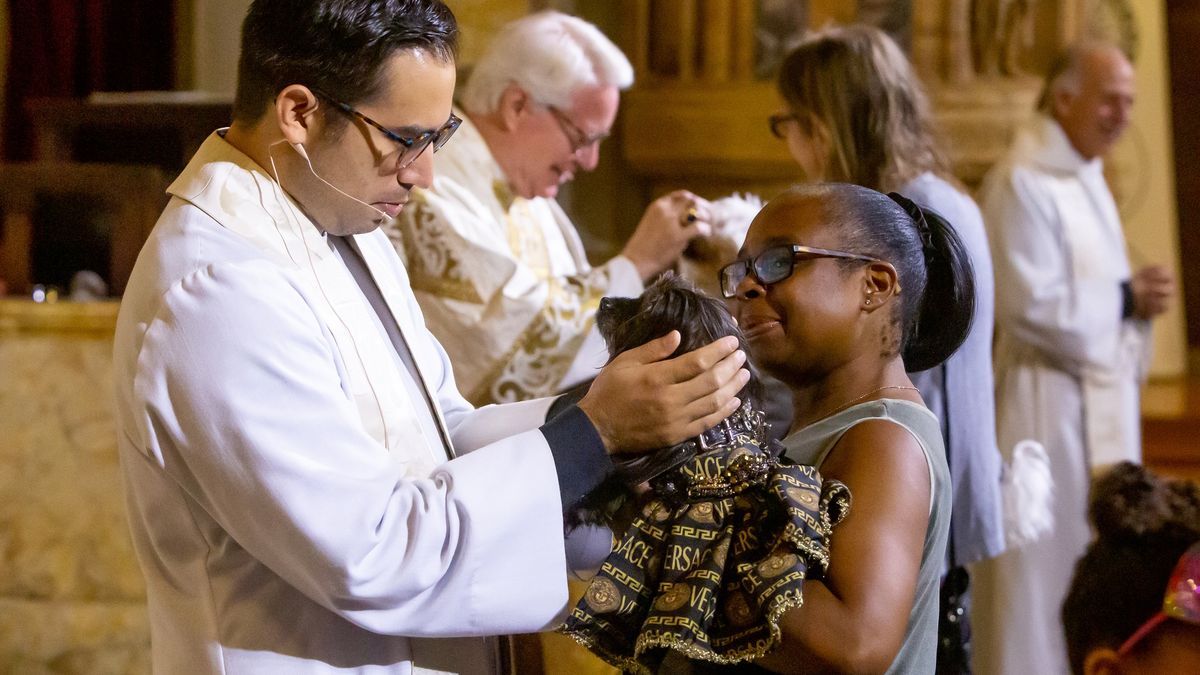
(1129, 501)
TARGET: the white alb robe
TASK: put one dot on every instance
(291, 503)
(1068, 369)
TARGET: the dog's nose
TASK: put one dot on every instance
(606, 304)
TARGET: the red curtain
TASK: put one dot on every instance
(75, 47)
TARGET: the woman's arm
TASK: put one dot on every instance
(854, 621)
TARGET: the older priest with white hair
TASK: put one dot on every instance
(497, 266)
(1072, 338)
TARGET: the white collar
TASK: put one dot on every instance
(243, 197)
(1043, 142)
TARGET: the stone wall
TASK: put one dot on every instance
(71, 594)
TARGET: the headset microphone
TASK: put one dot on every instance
(300, 150)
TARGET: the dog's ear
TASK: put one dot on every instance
(612, 313)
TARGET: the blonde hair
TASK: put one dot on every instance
(548, 54)
(858, 84)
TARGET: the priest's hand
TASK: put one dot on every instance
(668, 224)
(1153, 287)
(643, 401)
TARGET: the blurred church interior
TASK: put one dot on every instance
(105, 101)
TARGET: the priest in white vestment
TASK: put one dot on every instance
(1072, 336)
(497, 266)
(307, 491)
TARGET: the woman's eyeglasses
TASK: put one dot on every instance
(410, 148)
(1182, 599)
(775, 264)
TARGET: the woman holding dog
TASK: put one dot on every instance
(839, 291)
(856, 113)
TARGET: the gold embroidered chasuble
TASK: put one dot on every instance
(503, 281)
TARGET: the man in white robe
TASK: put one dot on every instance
(497, 266)
(1072, 334)
(307, 491)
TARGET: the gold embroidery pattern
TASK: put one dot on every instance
(430, 258)
(541, 355)
(526, 238)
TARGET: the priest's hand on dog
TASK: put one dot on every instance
(642, 402)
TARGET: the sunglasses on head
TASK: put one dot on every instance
(775, 264)
(1182, 599)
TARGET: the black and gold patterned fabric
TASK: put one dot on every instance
(718, 552)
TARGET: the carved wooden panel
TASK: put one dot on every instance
(697, 115)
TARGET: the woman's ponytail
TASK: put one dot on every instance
(947, 306)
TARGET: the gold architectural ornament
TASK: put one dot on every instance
(1112, 21)
(699, 68)
(1001, 31)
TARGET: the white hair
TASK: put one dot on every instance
(548, 54)
(1066, 71)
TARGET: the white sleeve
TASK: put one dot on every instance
(244, 408)
(489, 424)
(624, 280)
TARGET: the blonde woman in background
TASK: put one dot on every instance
(855, 112)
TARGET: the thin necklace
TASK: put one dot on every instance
(856, 399)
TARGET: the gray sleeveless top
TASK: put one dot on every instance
(811, 445)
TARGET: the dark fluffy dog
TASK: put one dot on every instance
(671, 303)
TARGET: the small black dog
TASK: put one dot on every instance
(671, 303)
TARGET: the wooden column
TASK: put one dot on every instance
(639, 50)
(745, 16)
(717, 45)
(686, 47)
(16, 238)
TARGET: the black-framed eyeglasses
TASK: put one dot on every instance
(410, 148)
(777, 121)
(576, 138)
(775, 264)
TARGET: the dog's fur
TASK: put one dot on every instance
(669, 304)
